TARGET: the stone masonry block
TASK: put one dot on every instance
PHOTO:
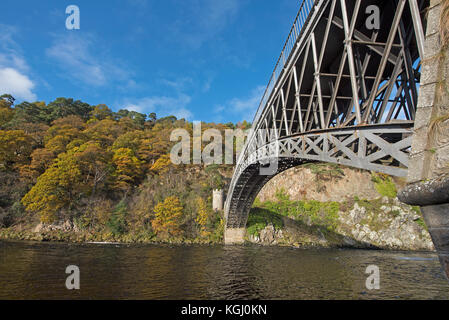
(432, 46)
(423, 117)
(440, 238)
(420, 139)
(436, 216)
(427, 95)
(416, 168)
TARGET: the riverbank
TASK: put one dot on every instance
(384, 223)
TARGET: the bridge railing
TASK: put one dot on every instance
(295, 31)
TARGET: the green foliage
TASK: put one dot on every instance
(117, 221)
(384, 185)
(308, 211)
(324, 172)
(259, 218)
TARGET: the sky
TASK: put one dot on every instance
(203, 60)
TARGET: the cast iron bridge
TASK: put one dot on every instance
(341, 92)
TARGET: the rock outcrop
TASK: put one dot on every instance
(365, 218)
(394, 227)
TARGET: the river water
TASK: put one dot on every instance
(37, 271)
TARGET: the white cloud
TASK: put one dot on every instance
(75, 56)
(13, 67)
(179, 84)
(245, 107)
(16, 84)
(162, 105)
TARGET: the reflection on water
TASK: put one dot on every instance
(37, 270)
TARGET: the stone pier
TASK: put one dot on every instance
(234, 236)
(428, 176)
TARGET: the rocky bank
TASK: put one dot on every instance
(365, 218)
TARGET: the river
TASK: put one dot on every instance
(112, 271)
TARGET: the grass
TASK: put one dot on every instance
(324, 214)
(384, 185)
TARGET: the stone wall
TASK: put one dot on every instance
(429, 161)
(430, 149)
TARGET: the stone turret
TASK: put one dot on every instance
(217, 200)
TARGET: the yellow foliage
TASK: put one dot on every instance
(162, 164)
(128, 167)
(53, 190)
(6, 114)
(168, 216)
(202, 216)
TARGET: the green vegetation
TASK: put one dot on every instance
(309, 212)
(324, 172)
(384, 185)
(259, 219)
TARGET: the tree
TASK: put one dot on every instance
(15, 148)
(162, 165)
(101, 112)
(55, 189)
(202, 217)
(63, 107)
(152, 117)
(168, 216)
(93, 162)
(6, 110)
(128, 168)
(26, 112)
(62, 132)
(41, 160)
(104, 132)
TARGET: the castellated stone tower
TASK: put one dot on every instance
(217, 200)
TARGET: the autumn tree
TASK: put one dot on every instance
(93, 162)
(15, 148)
(41, 160)
(202, 217)
(168, 216)
(55, 189)
(162, 165)
(101, 112)
(128, 168)
(62, 132)
(104, 132)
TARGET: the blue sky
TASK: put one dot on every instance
(207, 60)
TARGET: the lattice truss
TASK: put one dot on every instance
(345, 94)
